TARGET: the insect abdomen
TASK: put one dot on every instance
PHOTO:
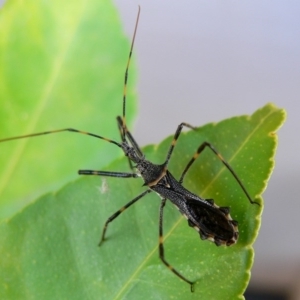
(214, 223)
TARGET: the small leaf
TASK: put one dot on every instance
(49, 250)
(62, 65)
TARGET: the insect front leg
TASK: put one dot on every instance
(161, 247)
(175, 138)
(108, 173)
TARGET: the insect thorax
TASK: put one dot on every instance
(150, 172)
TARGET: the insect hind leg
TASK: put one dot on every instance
(227, 165)
(161, 247)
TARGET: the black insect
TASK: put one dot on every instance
(213, 223)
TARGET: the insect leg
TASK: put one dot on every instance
(176, 136)
(108, 173)
(198, 152)
(161, 247)
(117, 213)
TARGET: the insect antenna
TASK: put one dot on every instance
(60, 130)
(123, 124)
(121, 121)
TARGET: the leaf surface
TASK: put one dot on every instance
(62, 65)
(49, 250)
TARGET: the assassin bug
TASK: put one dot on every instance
(213, 223)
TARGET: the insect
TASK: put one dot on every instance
(213, 223)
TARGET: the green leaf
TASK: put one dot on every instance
(62, 65)
(49, 250)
